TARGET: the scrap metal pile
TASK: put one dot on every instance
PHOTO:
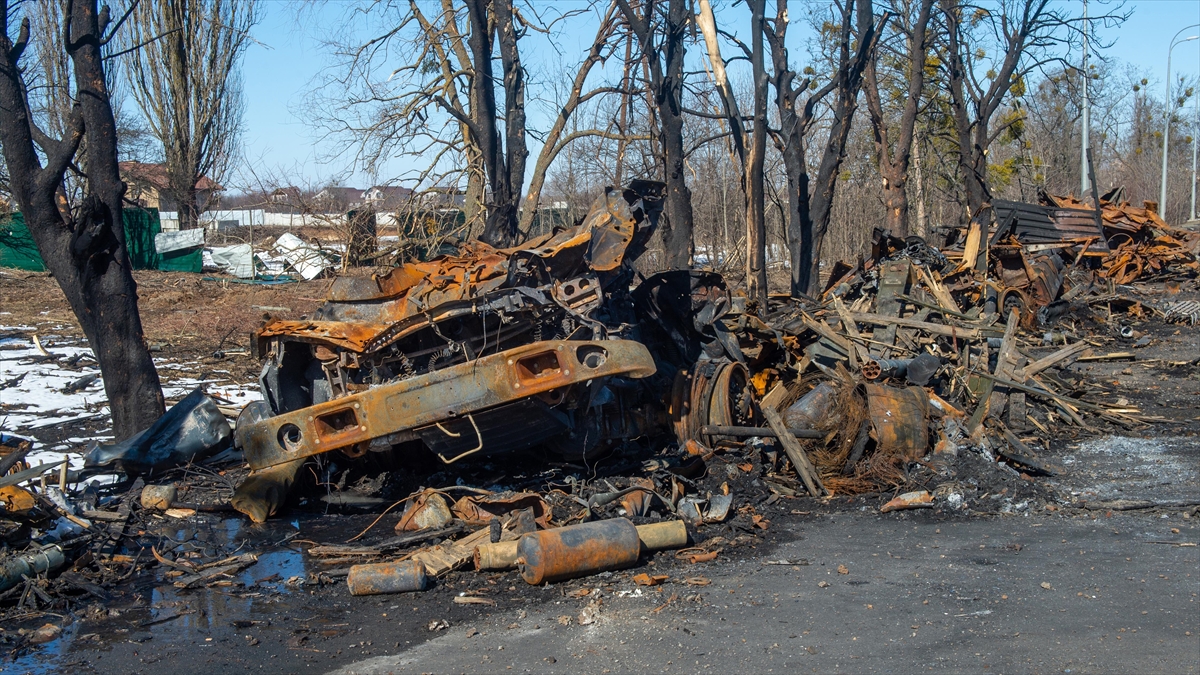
(558, 413)
(915, 351)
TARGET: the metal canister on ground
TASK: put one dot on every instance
(663, 536)
(13, 570)
(394, 577)
(501, 555)
(578, 550)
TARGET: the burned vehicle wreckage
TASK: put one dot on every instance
(548, 344)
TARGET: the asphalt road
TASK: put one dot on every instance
(1023, 594)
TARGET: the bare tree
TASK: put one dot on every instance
(183, 72)
(442, 103)
(854, 38)
(83, 246)
(660, 34)
(750, 148)
(990, 51)
(906, 50)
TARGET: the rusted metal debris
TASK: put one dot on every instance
(494, 350)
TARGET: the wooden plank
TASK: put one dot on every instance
(1054, 359)
(1005, 364)
(1017, 410)
(821, 328)
(804, 468)
(439, 560)
(851, 328)
(775, 397)
(934, 328)
(938, 291)
(971, 247)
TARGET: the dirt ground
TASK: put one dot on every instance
(288, 613)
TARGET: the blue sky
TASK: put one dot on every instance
(279, 73)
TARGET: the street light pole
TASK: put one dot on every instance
(1195, 133)
(1086, 122)
(1162, 192)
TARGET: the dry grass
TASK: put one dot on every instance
(875, 471)
(177, 308)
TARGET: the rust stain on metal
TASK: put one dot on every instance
(900, 418)
(421, 402)
(578, 550)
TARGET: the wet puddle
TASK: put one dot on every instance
(269, 595)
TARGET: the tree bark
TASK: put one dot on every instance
(666, 84)
(808, 215)
(849, 83)
(893, 159)
(756, 224)
(505, 170)
(85, 250)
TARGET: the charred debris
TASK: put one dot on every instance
(549, 409)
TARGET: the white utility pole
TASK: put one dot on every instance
(1195, 133)
(1083, 150)
(1162, 192)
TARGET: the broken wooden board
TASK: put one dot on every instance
(213, 571)
(932, 328)
(795, 452)
(894, 281)
(441, 559)
(1054, 359)
(1006, 363)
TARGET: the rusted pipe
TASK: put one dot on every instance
(394, 577)
(764, 432)
(14, 570)
(578, 550)
(880, 368)
(501, 555)
(663, 536)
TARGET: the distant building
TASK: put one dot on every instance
(337, 199)
(386, 197)
(285, 196)
(443, 198)
(148, 187)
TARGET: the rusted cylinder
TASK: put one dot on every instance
(880, 368)
(159, 497)
(14, 570)
(663, 536)
(394, 577)
(578, 550)
(501, 555)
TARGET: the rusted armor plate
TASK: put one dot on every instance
(452, 392)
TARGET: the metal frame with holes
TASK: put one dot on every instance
(456, 391)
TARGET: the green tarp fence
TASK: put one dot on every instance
(141, 225)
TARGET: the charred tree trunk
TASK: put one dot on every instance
(504, 162)
(85, 248)
(666, 84)
(849, 82)
(808, 214)
(893, 158)
(972, 165)
(756, 224)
